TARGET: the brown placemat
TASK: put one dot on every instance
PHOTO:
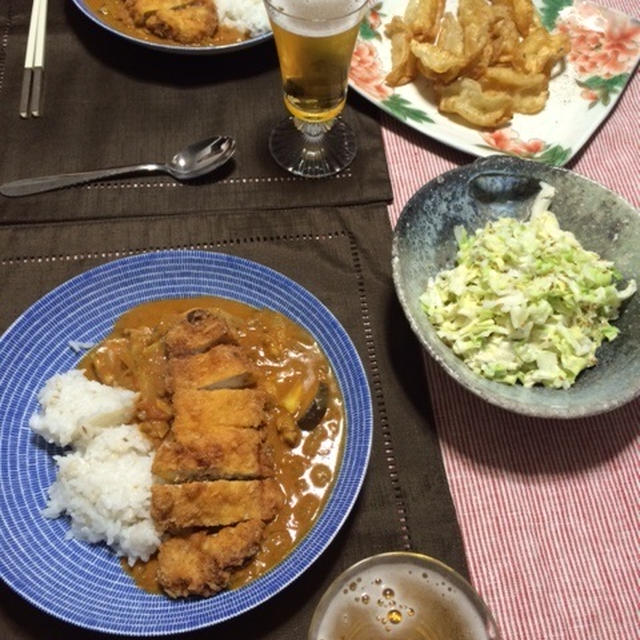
(343, 259)
(109, 103)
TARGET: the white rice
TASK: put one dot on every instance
(75, 409)
(243, 15)
(104, 484)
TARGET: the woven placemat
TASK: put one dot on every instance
(110, 103)
(343, 259)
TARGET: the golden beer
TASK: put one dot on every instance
(315, 42)
(401, 597)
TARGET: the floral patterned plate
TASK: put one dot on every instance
(605, 48)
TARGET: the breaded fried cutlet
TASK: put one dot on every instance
(186, 21)
(230, 453)
(140, 9)
(224, 366)
(197, 412)
(200, 563)
(213, 504)
(197, 331)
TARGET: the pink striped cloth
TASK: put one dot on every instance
(548, 509)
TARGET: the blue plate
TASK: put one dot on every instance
(172, 48)
(83, 583)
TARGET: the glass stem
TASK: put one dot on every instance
(313, 132)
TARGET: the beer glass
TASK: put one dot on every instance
(315, 41)
(402, 595)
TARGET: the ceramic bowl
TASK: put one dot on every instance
(499, 186)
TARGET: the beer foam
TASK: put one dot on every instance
(316, 18)
(397, 600)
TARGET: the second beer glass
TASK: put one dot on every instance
(315, 41)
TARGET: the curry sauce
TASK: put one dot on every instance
(115, 14)
(291, 367)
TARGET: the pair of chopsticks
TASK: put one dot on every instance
(33, 76)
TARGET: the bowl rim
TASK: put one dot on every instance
(437, 348)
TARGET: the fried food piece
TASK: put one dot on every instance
(140, 9)
(505, 38)
(423, 17)
(529, 91)
(198, 412)
(461, 44)
(524, 14)
(437, 63)
(539, 51)
(493, 59)
(197, 331)
(186, 24)
(201, 563)
(225, 366)
(187, 21)
(231, 453)
(213, 504)
(466, 98)
(475, 20)
(403, 63)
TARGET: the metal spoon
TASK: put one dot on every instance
(194, 161)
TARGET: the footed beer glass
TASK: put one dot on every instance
(315, 41)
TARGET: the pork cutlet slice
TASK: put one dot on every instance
(225, 366)
(213, 504)
(201, 563)
(230, 453)
(198, 413)
(185, 21)
(197, 331)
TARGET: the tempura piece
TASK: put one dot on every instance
(475, 20)
(524, 15)
(505, 38)
(539, 51)
(200, 563)
(442, 61)
(492, 59)
(213, 504)
(403, 62)
(231, 453)
(224, 366)
(199, 330)
(528, 91)
(466, 98)
(423, 17)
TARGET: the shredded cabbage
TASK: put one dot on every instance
(526, 302)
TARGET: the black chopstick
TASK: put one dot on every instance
(31, 95)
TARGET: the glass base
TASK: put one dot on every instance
(313, 150)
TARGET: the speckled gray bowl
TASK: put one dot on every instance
(500, 186)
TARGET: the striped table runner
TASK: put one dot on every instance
(548, 509)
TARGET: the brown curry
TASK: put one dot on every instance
(291, 367)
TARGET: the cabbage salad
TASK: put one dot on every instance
(526, 302)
